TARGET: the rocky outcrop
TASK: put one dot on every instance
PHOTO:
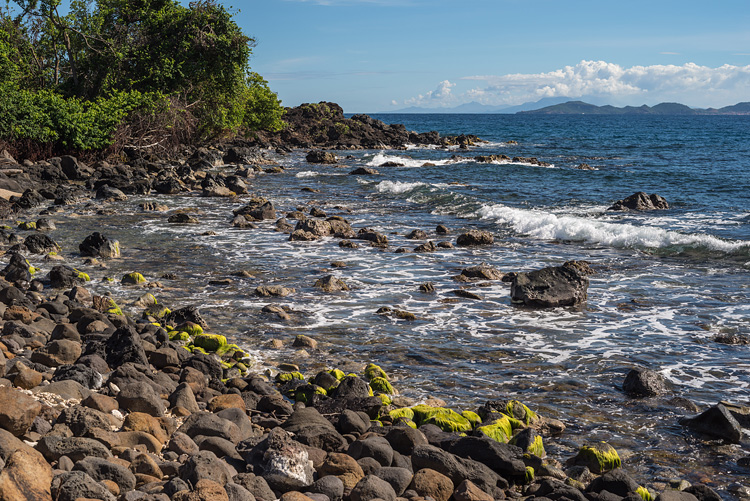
(640, 202)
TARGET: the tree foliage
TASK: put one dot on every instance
(72, 75)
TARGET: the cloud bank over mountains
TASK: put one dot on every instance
(691, 84)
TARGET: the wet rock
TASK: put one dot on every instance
(39, 243)
(644, 383)
(182, 218)
(426, 247)
(65, 277)
(598, 457)
(186, 314)
(258, 209)
(372, 487)
(716, 422)
(467, 294)
(17, 411)
(376, 238)
(481, 272)
(670, 495)
(427, 288)
(273, 291)
(703, 492)
(417, 235)
(98, 245)
(109, 194)
(616, 481)
(475, 237)
(640, 202)
(564, 285)
(315, 227)
(321, 157)
(364, 171)
(330, 283)
(16, 270)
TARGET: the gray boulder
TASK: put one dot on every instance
(716, 422)
(644, 383)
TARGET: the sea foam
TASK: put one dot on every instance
(544, 225)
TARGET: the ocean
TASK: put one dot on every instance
(667, 283)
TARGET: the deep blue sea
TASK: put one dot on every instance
(667, 283)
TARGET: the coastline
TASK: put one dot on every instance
(437, 438)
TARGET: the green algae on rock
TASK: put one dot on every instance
(445, 419)
(381, 385)
(209, 342)
(500, 430)
(373, 371)
(133, 278)
(599, 458)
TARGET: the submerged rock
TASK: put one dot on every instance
(564, 285)
(475, 237)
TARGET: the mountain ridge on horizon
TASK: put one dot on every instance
(568, 106)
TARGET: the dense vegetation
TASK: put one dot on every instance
(103, 74)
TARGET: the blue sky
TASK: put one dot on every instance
(380, 55)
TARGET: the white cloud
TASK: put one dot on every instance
(690, 84)
(441, 96)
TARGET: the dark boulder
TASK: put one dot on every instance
(475, 237)
(716, 422)
(321, 157)
(644, 383)
(17, 269)
(39, 243)
(564, 285)
(98, 245)
(63, 276)
(641, 202)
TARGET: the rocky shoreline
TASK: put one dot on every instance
(97, 404)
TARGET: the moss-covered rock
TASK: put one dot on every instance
(373, 371)
(209, 342)
(157, 311)
(285, 377)
(519, 411)
(530, 442)
(403, 413)
(113, 309)
(499, 430)
(644, 493)
(385, 399)
(381, 385)
(198, 349)
(529, 477)
(338, 374)
(192, 328)
(26, 225)
(133, 278)
(306, 392)
(473, 418)
(83, 276)
(179, 336)
(445, 419)
(599, 458)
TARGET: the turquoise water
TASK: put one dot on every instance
(667, 282)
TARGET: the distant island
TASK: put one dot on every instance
(581, 108)
(568, 106)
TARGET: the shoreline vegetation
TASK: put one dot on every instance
(97, 403)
